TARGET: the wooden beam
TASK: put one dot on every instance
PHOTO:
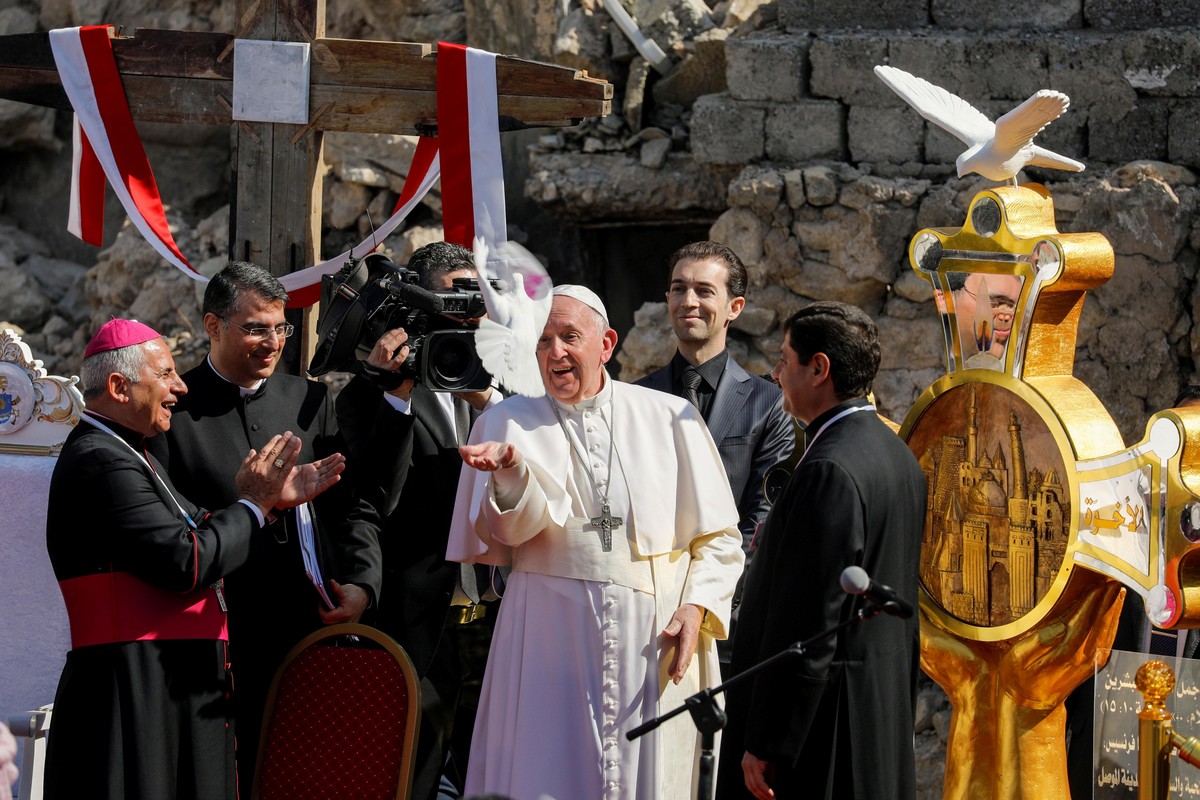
(375, 87)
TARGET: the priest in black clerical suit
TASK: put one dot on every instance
(237, 401)
(836, 722)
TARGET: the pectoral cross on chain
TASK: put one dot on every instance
(607, 523)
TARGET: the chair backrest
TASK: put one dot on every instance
(341, 719)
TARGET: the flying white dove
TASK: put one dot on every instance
(507, 338)
(996, 150)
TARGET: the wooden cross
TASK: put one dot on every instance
(606, 523)
(186, 77)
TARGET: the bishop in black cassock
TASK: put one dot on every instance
(143, 706)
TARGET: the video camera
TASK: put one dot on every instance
(370, 296)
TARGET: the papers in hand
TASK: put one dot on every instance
(308, 548)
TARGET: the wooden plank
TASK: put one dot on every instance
(364, 110)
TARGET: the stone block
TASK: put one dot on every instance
(1126, 15)
(755, 321)
(654, 153)
(805, 131)
(841, 68)
(941, 60)
(1038, 15)
(885, 133)
(1148, 218)
(1183, 133)
(774, 68)
(820, 185)
(702, 72)
(757, 188)
(671, 23)
(1013, 65)
(1090, 69)
(725, 131)
(742, 231)
(793, 183)
(1140, 133)
(814, 15)
(1164, 62)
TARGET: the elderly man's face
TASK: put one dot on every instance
(574, 346)
(158, 388)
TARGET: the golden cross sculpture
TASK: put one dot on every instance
(1037, 513)
(186, 77)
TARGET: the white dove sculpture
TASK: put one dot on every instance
(996, 150)
(507, 338)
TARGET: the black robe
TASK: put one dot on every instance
(837, 722)
(413, 466)
(272, 604)
(139, 719)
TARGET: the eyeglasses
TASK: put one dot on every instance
(283, 330)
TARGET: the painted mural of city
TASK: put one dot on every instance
(997, 514)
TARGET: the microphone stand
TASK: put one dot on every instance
(709, 718)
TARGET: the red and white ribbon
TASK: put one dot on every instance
(304, 287)
(469, 136)
(108, 141)
(106, 145)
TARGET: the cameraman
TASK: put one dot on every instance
(441, 612)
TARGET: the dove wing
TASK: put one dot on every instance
(1048, 158)
(507, 341)
(1018, 127)
(499, 310)
(940, 107)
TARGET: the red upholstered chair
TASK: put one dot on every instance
(341, 720)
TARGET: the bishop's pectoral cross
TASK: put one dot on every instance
(186, 77)
(606, 523)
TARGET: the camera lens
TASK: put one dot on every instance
(452, 358)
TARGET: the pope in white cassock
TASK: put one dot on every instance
(611, 504)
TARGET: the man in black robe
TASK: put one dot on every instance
(238, 401)
(142, 709)
(836, 722)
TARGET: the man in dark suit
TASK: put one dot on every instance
(743, 412)
(408, 438)
(238, 401)
(836, 722)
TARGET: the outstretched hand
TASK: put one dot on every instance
(490, 456)
(306, 481)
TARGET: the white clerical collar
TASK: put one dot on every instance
(245, 391)
(597, 400)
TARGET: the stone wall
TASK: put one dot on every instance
(836, 173)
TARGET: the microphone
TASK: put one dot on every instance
(855, 580)
(417, 296)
